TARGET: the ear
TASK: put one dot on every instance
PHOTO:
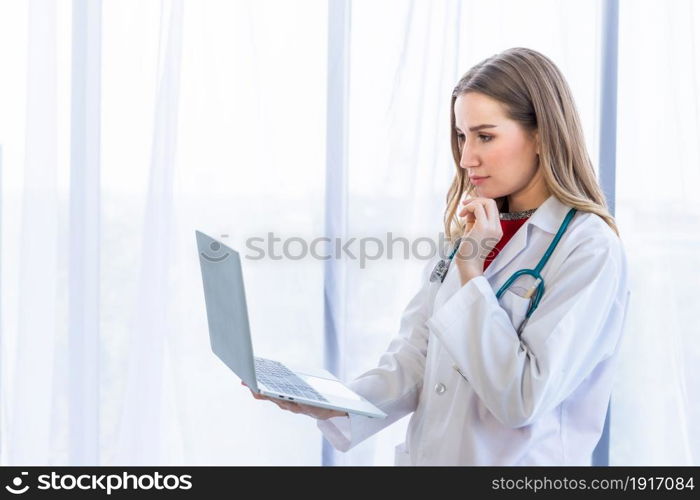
(537, 142)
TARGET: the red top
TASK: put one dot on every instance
(509, 228)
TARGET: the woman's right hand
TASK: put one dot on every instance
(312, 411)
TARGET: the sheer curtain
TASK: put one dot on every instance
(655, 406)
(212, 116)
(34, 185)
(400, 161)
(229, 140)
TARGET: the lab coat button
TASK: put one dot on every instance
(440, 388)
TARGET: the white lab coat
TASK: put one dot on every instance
(538, 400)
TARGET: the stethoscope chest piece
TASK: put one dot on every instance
(441, 267)
(535, 293)
(440, 271)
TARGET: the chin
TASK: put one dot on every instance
(483, 192)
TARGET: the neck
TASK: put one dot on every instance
(528, 199)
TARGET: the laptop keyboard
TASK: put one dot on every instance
(279, 378)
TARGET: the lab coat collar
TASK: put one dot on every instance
(548, 217)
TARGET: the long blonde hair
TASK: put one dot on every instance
(534, 94)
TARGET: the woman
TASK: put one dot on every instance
(486, 383)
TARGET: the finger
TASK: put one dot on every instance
(464, 210)
(469, 200)
(477, 199)
(460, 212)
(491, 210)
(477, 209)
(314, 411)
(481, 217)
(279, 403)
(293, 407)
(325, 413)
(467, 221)
(264, 397)
(319, 413)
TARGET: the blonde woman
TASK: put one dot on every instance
(490, 378)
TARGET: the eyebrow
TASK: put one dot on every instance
(478, 127)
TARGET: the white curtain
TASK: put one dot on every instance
(406, 58)
(215, 123)
(213, 117)
(655, 407)
(34, 328)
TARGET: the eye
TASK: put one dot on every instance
(483, 137)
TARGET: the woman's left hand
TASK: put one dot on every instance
(481, 233)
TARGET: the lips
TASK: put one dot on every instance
(478, 180)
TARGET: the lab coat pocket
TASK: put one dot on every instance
(515, 305)
(401, 456)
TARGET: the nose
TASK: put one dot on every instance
(467, 158)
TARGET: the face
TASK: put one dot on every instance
(505, 154)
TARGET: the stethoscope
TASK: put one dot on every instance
(440, 271)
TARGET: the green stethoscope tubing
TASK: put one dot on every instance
(535, 273)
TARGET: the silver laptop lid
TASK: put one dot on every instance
(227, 313)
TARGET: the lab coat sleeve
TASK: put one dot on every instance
(570, 332)
(394, 385)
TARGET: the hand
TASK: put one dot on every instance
(311, 411)
(481, 233)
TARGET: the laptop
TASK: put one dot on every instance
(229, 334)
